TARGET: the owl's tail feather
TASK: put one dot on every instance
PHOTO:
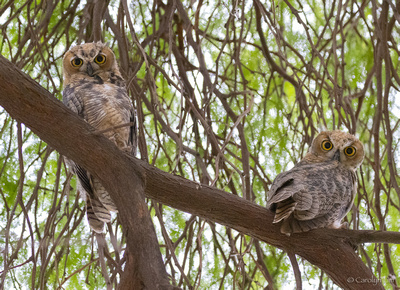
(284, 209)
(100, 211)
(292, 225)
(103, 196)
(95, 223)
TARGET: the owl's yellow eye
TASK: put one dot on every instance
(100, 59)
(327, 145)
(350, 151)
(76, 62)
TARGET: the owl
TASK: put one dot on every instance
(95, 90)
(318, 191)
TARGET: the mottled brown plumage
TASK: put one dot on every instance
(95, 90)
(319, 190)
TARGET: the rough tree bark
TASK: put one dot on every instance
(29, 103)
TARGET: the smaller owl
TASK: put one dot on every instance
(319, 191)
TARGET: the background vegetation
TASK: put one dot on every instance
(227, 94)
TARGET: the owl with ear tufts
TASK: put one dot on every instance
(319, 191)
(95, 90)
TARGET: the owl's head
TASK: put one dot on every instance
(89, 60)
(336, 145)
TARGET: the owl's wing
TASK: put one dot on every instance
(286, 186)
(133, 132)
(280, 196)
(281, 181)
(84, 179)
(72, 100)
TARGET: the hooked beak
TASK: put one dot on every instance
(336, 156)
(89, 69)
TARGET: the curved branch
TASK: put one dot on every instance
(26, 101)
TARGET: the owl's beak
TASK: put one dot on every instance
(336, 156)
(89, 69)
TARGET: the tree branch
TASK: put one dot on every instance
(127, 178)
